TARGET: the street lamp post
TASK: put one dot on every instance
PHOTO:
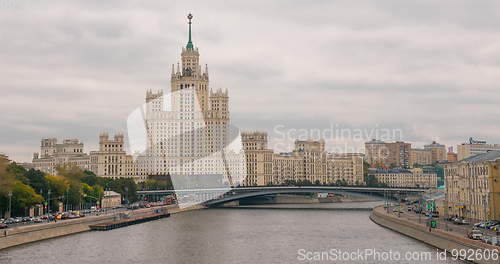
(48, 204)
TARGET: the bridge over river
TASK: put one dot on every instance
(218, 196)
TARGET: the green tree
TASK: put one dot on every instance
(23, 197)
(90, 178)
(37, 180)
(92, 194)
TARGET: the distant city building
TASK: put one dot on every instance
(384, 154)
(313, 156)
(420, 157)
(376, 153)
(188, 129)
(346, 168)
(473, 186)
(438, 152)
(474, 147)
(398, 177)
(399, 154)
(259, 159)
(111, 160)
(308, 162)
(452, 156)
(53, 154)
(287, 167)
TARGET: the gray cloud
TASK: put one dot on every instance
(74, 69)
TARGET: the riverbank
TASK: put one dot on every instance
(32, 233)
(437, 238)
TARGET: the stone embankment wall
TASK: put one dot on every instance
(30, 233)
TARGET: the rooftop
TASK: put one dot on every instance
(110, 193)
(488, 156)
(375, 141)
(395, 170)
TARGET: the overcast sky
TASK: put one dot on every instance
(73, 69)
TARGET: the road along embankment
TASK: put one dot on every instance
(31, 233)
(475, 251)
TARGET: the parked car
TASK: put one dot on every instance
(484, 224)
(475, 234)
(2, 226)
(461, 221)
(397, 210)
(492, 224)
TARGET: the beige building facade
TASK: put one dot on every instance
(111, 199)
(259, 159)
(399, 154)
(308, 162)
(376, 153)
(472, 148)
(53, 154)
(112, 161)
(387, 154)
(420, 157)
(345, 168)
(473, 187)
(405, 178)
(189, 133)
(438, 152)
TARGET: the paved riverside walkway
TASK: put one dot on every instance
(30, 233)
(442, 224)
(454, 243)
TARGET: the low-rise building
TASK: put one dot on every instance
(111, 199)
(473, 186)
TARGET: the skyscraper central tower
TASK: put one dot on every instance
(188, 126)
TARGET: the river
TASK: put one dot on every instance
(263, 235)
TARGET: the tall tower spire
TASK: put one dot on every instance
(190, 43)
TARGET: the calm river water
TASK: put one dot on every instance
(266, 235)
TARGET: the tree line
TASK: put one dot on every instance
(21, 189)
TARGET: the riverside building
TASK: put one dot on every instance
(188, 131)
(473, 186)
(399, 177)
